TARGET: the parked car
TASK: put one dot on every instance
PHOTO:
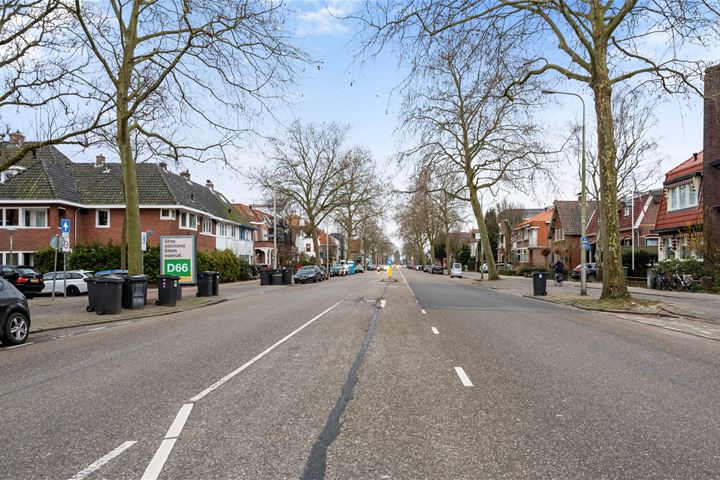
(359, 268)
(14, 315)
(25, 278)
(456, 271)
(337, 270)
(427, 268)
(371, 266)
(381, 267)
(309, 273)
(437, 269)
(591, 271)
(74, 281)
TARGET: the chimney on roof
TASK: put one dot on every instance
(209, 185)
(163, 165)
(695, 155)
(17, 138)
(99, 161)
(185, 174)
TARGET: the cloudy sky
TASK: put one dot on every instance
(361, 95)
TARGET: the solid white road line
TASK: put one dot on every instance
(261, 355)
(163, 452)
(179, 422)
(94, 329)
(463, 377)
(18, 346)
(435, 331)
(158, 461)
(102, 461)
(382, 303)
(124, 323)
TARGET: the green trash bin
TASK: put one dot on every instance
(625, 272)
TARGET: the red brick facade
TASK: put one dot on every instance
(84, 230)
(711, 168)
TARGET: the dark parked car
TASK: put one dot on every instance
(14, 315)
(325, 273)
(309, 273)
(24, 278)
(337, 270)
(591, 272)
(437, 269)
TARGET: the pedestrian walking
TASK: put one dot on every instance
(559, 273)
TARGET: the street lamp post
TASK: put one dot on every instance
(274, 228)
(583, 197)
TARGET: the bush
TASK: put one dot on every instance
(225, 262)
(151, 263)
(507, 271)
(45, 260)
(95, 257)
(689, 266)
(642, 259)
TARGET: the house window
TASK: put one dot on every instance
(188, 220)
(683, 196)
(307, 247)
(651, 242)
(35, 217)
(628, 210)
(167, 214)
(11, 217)
(222, 230)
(207, 226)
(102, 218)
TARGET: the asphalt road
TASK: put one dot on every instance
(427, 377)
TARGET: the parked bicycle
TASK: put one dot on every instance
(683, 281)
(662, 281)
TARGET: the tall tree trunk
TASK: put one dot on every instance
(132, 201)
(316, 241)
(484, 237)
(613, 279)
(447, 250)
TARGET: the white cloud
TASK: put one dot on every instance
(326, 20)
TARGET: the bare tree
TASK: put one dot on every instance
(467, 128)
(359, 193)
(169, 67)
(41, 65)
(509, 215)
(601, 44)
(307, 165)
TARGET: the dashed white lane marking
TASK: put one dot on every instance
(96, 328)
(123, 323)
(382, 303)
(423, 312)
(261, 355)
(96, 465)
(463, 377)
(435, 331)
(163, 452)
(18, 346)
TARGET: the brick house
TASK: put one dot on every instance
(507, 221)
(48, 187)
(531, 242)
(680, 218)
(711, 166)
(639, 214)
(564, 232)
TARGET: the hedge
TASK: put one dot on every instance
(98, 257)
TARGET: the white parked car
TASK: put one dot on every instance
(74, 281)
(456, 271)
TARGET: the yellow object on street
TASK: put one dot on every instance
(389, 270)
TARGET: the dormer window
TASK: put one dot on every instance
(628, 210)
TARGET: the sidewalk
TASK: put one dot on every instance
(49, 314)
(688, 312)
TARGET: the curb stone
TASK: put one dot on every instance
(136, 317)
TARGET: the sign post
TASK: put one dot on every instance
(55, 244)
(177, 257)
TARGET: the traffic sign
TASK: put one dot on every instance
(584, 239)
(389, 261)
(56, 242)
(65, 225)
(587, 247)
(143, 241)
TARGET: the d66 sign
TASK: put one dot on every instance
(177, 267)
(177, 257)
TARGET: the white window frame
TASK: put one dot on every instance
(190, 219)
(628, 210)
(675, 200)
(222, 230)
(19, 216)
(206, 226)
(33, 216)
(167, 217)
(97, 217)
(653, 239)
